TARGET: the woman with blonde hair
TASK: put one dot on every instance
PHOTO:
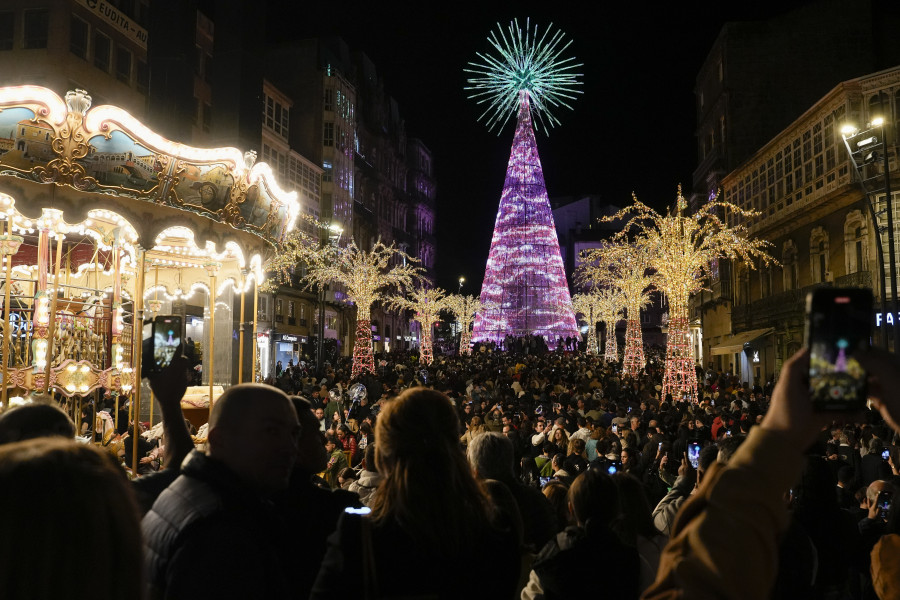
(474, 428)
(430, 519)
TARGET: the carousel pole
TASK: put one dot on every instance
(255, 346)
(53, 302)
(137, 345)
(241, 328)
(155, 307)
(212, 268)
(9, 245)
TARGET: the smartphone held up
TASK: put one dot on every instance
(838, 329)
(162, 342)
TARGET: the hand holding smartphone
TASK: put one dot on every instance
(694, 454)
(162, 341)
(838, 329)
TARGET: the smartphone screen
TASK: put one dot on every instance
(838, 326)
(615, 429)
(614, 467)
(162, 340)
(545, 481)
(886, 454)
(694, 454)
(884, 504)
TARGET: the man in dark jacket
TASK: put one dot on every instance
(213, 532)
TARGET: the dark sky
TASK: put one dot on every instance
(631, 130)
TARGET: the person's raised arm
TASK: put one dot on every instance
(169, 387)
(725, 538)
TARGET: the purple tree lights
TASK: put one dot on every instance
(525, 283)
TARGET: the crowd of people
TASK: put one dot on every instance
(507, 473)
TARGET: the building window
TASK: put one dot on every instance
(7, 29)
(276, 117)
(37, 24)
(78, 37)
(207, 117)
(263, 313)
(329, 99)
(328, 138)
(789, 260)
(123, 65)
(818, 255)
(101, 52)
(855, 243)
(208, 68)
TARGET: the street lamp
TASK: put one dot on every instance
(462, 280)
(334, 236)
(863, 147)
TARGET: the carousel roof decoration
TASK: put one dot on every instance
(107, 152)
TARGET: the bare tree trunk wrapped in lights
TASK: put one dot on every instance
(611, 354)
(626, 266)
(366, 277)
(427, 305)
(683, 247)
(464, 308)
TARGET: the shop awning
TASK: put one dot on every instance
(737, 341)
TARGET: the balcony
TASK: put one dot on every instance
(860, 279)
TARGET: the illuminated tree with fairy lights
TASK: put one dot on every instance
(367, 276)
(464, 308)
(610, 310)
(626, 266)
(683, 247)
(525, 290)
(588, 306)
(426, 304)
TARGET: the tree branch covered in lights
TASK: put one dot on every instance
(366, 276)
(293, 250)
(684, 247)
(626, 266)
(464, 308)
(427, 304)
(525, 61)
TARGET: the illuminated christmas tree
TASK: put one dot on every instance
(525, 290)
(683, 247)
(611, 306)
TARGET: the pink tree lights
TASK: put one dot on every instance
(525, 289)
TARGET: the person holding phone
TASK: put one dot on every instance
(726, 536)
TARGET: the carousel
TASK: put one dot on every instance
(103, 226)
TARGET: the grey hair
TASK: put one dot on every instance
(491, 456)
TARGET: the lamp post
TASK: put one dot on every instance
(863, 148)
(334, 232)
(462, 280)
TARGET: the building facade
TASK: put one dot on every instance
(813, 211)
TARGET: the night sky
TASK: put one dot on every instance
(631, 130)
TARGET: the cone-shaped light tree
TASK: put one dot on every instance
(525, 290)
(367, 276)
(624, 265)
(464, 308)
(588, 306)
(426, 304)
(610, 310)
(683, 247)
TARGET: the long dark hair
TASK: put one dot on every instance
(428, 489)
